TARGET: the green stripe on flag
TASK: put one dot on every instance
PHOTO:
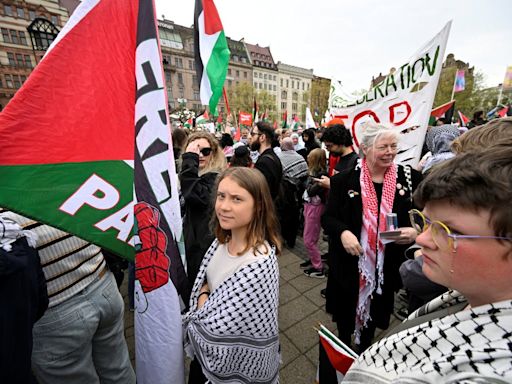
(39, 191)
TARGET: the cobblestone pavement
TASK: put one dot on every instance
(300, 309)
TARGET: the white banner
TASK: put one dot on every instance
(402, 100)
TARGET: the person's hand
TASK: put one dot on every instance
(407, 235)
(350, 243)
(202, 299)
(324, 182)
(193, 147)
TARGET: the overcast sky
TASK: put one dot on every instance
(355, 40)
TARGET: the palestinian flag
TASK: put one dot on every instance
(464, 120)
(211, 53)
(444, 111)
(339, 356)
(86, 148)
(285, 118)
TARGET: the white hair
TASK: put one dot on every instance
(372, 131)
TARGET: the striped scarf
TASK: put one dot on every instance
(373, 249)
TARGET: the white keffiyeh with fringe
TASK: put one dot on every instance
(235, 334)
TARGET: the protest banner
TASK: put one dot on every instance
(402, 100)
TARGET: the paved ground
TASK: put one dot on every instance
(301, 308)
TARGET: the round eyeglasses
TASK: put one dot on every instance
(442, 235)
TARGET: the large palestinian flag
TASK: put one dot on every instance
(86, 141)
(211, 53)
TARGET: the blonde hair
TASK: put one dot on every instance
(317, 161)
(264, 225)
(497, 132)
(217, 161)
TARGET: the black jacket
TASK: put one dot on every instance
(344, 212)
(269, 164)
(197, 193)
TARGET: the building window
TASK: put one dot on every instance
(281, 82)
(275, 88)
(235, 58)
(265, 76)
(8, 81)
(229, 71)
(28, 61)
(17, 82)
(245, 75)
(31, 15)
(283, 105)
(287, 83)
(21, 13)
(8, 11)
(196, 94)
(275, 78)
(244, 60)
(237, 73)
(305, 97)
(23, 38)
(294, 107)
(180, 79)
(307, 86)
(10, 56)
(191, 64)
(179, 62)
(19, 60)
(260, 75)
(182, 93)
(23, 79)
(42, 33)
(5, 35)
(14, 36)
(55, 21)
(194, 81)
(170, 39)
(284, 94)
(260, 87)
(295, 96)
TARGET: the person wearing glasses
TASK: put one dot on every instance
(201, 163)
(363, 270)
(465, 234)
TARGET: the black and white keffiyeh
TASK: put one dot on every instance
(469, 346)
(235, 335)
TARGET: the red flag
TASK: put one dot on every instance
(245, 118)
(340, 356)
(442, 110)
(463, 119)
(285, 118)
(503, 112)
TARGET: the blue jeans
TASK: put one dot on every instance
(82, 339)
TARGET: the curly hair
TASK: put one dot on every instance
(337, 134)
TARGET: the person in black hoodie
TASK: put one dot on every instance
(201, 163)
(310, 142)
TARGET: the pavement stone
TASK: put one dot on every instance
(294, 311)
(299, 371)
(289, 351)
(287, 293)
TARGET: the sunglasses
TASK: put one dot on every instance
(442, 235)
(205, 151)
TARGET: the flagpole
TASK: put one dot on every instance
(226, 100)
(500, 95)
(454, 82)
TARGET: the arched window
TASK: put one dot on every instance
(42, 33)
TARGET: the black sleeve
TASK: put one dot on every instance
(195, 189)
(331, 220)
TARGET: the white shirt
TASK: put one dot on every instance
(223, 264)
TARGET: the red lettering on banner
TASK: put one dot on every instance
(356, 119)
(392, 113)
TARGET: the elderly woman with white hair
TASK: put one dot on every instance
(363, 274)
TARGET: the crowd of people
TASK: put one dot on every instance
(242, 202)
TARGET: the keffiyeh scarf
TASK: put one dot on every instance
(235, 335)
(469, 346)
(374, 221)
(10, 231)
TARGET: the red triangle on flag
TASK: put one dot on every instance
(66, 98)
(212, 23)
(442, 109)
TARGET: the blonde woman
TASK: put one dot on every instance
(201, 163)
(231, 328)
